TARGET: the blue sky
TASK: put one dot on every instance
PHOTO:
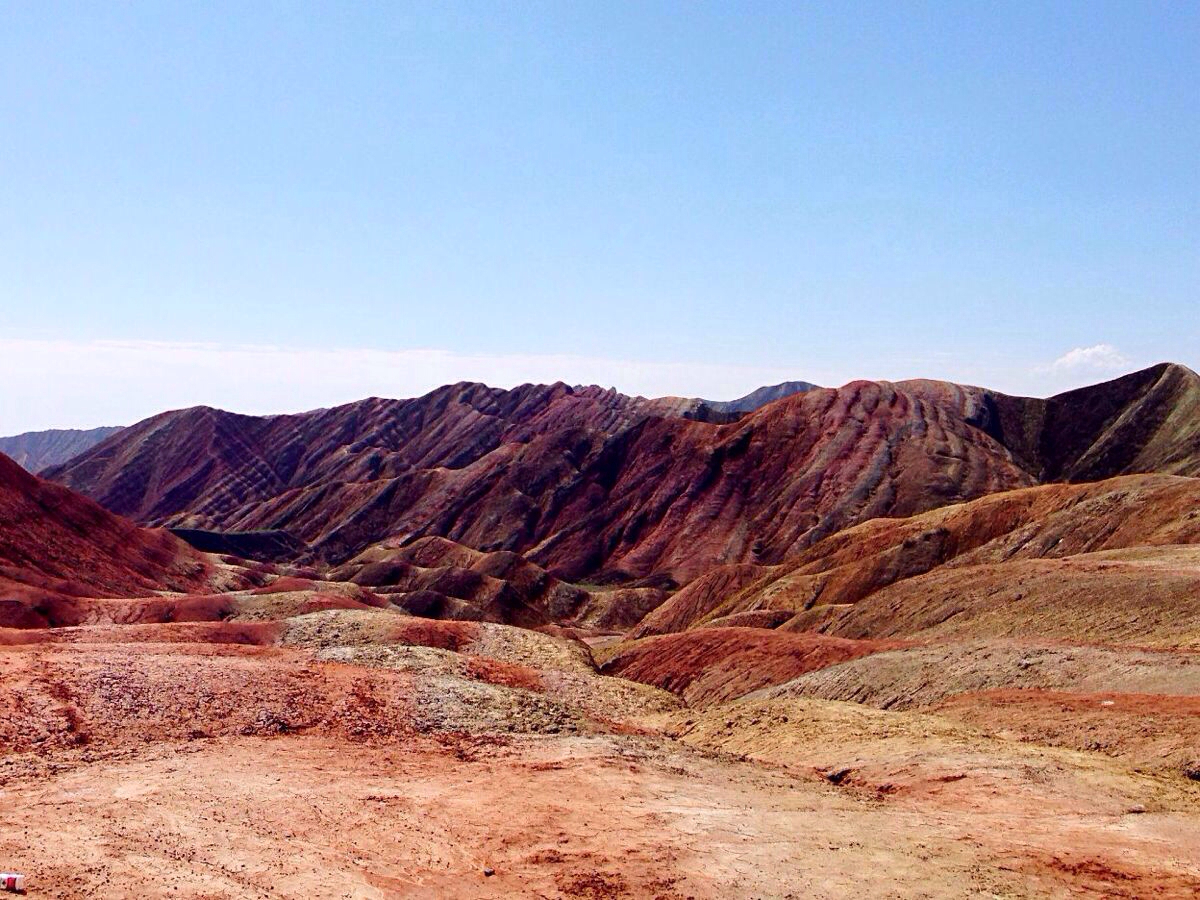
(278, 206)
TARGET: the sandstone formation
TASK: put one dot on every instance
(588, 484)
(1104, 547)
(591, 484)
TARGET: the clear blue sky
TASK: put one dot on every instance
(823, 191)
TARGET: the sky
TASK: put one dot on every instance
(270, 207)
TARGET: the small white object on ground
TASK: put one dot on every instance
(11, 881)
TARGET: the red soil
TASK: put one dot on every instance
(710, 665)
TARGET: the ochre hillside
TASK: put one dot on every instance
(870, 580)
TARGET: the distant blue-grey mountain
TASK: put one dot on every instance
(36, 450)
(760, 397)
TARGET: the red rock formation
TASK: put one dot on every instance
(592, 484)
(1019, 550)
(54, 542)
(712, 665)
(584, 482)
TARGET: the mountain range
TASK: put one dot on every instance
(596, 485)
(958, 628)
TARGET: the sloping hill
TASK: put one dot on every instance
(37, 450)
(1147, 421)
(54, 542)
(1088, 551)
(711, 665)
(216, 465)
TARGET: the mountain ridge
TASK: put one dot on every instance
(759, 397)
(592, 483)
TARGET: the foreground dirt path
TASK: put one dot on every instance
(563, 817)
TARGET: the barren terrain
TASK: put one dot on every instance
(367, 753)
(568, 644)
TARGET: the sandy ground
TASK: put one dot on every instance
(1027, 803)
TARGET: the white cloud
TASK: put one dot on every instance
(1097, 358)
(62, 383)
(1077, 368)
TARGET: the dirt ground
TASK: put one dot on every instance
(558, 817)
(357, 753)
